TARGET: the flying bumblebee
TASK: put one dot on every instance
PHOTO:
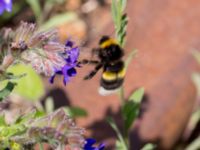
(109, 54)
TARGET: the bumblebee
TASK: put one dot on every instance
(109, 54)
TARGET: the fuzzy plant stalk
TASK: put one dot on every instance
(120, 23)
(130, 106)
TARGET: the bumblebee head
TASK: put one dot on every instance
(103, 39)
(109, 49)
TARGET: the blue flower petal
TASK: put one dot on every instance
(65, 74)
(8, 5)
(5, 5)
(101, 147)
(68, 70)
(51, 79)
(89, 145)
(90, 142)
(71, 72)
(73, 55)
(69, 43)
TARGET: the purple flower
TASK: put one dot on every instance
(5, 5)
(89, 145)
(68, 70)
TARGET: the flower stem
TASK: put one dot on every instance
(41, 146)
(121, 95)
(125, 132)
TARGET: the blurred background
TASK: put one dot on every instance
(166, 34)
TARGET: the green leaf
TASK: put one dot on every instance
(15, 129)
(194, 119)
(119, 145)
(114, 11)
(7, 90)
(32, 115)
(149, 146)
(58, 20)
(121, 141)
(196, 81)
(2, 120)
(137, 95)
(25, 118)
(123, 4)
(35, 6)
(9, 76)
(196, 55)
(131, 107)
(75, 112)
(130, 112)
(120, 19)
(31, 86)
(194, 145)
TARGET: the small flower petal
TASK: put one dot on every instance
(51, 79)
(73, 55)
(89, 145)
(68, 70)
(69, 44)
(71, 72)
(5, 5)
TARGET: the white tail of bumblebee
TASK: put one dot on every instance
(104, 92)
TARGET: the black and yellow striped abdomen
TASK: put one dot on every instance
(113, 76)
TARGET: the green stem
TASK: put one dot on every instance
(47, 9)
(41, 146)
(126, 138)
(121, 95)
(125, 132)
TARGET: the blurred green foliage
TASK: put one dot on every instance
(30, 86)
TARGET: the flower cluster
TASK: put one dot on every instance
(40, 49)
(5, 5)
(59, 127)
(56, 128)
(68, 70)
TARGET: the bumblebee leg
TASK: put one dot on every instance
(85, 61)
(93, 72)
